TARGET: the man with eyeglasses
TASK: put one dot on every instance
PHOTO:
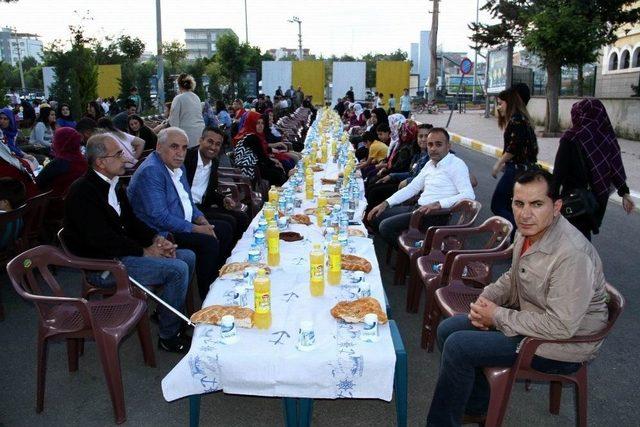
(161, 197)
(443, 181)
(100, 223)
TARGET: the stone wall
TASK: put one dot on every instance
(623, 112)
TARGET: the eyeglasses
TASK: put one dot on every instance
(118, 155)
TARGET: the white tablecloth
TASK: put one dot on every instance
(266, 362)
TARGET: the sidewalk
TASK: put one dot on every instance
(474, 131)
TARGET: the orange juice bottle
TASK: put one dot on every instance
(323, 152)
(273, 195)
(269, 212)
(262, 300)
(322, 200)
(320, 216)
(316, 272)
(309, 186)
(273, 244)
(334, 250)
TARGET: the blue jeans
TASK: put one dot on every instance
(462, 387)
(174, 275)
(502, 195)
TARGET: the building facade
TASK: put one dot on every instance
(620, 64)
(201, 42)
(284, 52)
(15, 45)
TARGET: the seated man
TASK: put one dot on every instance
(555, 289)
(99, 223)
(161, 197)
(443, 181)
(202, 164)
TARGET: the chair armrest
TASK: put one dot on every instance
(115, 267)
(461, 260)
(229, 186)
(416, 216)
(79, 303)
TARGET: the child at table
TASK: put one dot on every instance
(377, 151)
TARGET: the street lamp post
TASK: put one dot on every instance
(246, 24)
(159, 59)
(17, 43)
(299, 22)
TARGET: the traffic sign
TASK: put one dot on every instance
(466, 66)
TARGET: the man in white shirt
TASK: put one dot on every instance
(405, 104)
(443, 181)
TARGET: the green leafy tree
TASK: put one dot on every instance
(559, 32)
(175, 53)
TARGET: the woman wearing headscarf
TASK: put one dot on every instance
(274, 138)
(209, 116)
(136, 127)
(252, 119)
(186, 110)
(65, 119)
(68, 163)
(17, 168)
(251, 152)
(589, 157)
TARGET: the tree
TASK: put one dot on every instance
(559, 32)
(76, 71)
(174, 52)
(232, 59)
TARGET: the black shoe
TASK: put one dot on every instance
(155, 317)
(176, 344)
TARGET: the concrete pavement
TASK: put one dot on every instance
(472, 130)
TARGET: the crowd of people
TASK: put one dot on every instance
(168, 223)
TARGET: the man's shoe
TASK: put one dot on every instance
(176, 344)
(474, 419)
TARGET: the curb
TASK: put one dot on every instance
(496, 152)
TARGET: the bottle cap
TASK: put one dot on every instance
(261, 272)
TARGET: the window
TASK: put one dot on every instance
(636, 57)
(613, 61)
(624, 59)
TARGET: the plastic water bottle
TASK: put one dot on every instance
(254, 254)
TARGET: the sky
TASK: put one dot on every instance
(328, 26)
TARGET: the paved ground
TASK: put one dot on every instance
(81, 398)
(473, 125)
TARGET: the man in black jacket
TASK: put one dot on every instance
(99, 223)
(202, 164)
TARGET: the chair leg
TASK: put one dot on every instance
(432, 326)
(81, 346)
(401, 268)
(72, 354)
(108, 349)
(425, 325)
(144, 334)
(582, 389)
(290, 405)
(42, 372)
(414, 290)
(555, 396)
(499, 400)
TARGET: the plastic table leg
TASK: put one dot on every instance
(306, 412)
(194, 410)
(400, 380)
(290, 411)
(387, 305)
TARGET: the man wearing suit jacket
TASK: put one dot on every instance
(202, 163)
(99, 223)
(160, 196)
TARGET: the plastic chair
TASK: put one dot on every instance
(501, 380)
(36, 209)
(68, 318)
(433, 269)
(463, 214)
(13, 247)
(461, 291)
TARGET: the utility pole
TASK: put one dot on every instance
(433, 47)
(299, 22)
(246, 24)
(159, 59)
(17, 42)
(475, 60)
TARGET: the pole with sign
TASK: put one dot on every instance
(466, 65)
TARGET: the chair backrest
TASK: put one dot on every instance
(465, 212)
(64, 247)
(36, 208)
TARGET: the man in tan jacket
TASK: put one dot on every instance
(555, 289)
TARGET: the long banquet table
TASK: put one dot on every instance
(267, 362)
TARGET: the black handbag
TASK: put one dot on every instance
(580, 202)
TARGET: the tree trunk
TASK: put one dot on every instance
(580, 80)
(553, 90)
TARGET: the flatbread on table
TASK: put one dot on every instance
(355, 263)
(212, 315)
(354, 311)
(236, 269)
(301, 219)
